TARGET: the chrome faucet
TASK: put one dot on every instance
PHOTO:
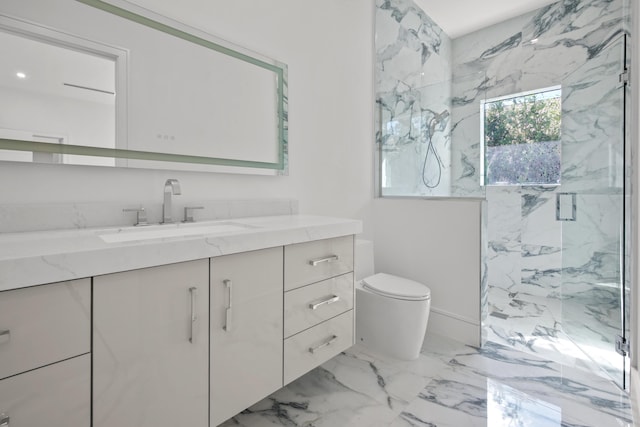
(171, 187)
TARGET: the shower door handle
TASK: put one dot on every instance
(566, 206)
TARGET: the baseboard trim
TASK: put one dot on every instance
(465, 319)
(460, 328)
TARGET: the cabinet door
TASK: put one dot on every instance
(318, 260)
(312, 304)
(57, 395)
(150, 361)
(313, 347)
(246, 330)
(44, 324)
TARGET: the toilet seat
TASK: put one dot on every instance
(396, 287)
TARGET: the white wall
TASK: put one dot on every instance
(328, 48)
(79, 121)
(438, 243)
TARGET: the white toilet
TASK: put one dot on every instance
(391, 312)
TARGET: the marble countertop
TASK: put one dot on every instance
(35, 258)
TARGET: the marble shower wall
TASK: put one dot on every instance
(533, 51)
(524, 264)
(429, 87)
(593, 146)
(423, 78)
(413, 97)
(578, 45)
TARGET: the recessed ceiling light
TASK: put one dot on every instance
(21, 75)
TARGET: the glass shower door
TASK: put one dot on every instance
(591, 206)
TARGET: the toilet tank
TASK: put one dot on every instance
(363, 259)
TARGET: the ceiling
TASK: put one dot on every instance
(475, 14)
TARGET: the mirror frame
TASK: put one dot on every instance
(205, 40)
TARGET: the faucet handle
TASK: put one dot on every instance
(141, 217)
(188, 214)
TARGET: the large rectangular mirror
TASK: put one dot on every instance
(112, 84)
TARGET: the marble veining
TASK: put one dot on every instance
(449, 385)
(536, 270)
(41, 257)
(503, 60)
(542, 272)
(413, 71)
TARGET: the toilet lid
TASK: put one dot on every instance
(396, 287)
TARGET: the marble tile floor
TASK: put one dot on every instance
(540, 341)
(449, 385)
(532, 324)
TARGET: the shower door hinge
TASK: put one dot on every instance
(622, 345)
(623, 78)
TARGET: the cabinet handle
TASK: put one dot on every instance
(330, 258)
(5, 336)
(324, 344)
(4, 419)
(330, 300)
(227, 321)
(193, 292)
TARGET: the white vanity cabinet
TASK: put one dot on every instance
(319, 302)
(314, 261)
(54, 396)
(45, 370)
(246, 330)
(151, 347)
(168, 331)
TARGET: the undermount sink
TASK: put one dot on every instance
(172, 230)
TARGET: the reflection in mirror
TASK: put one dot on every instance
(196, 103)
(55, 94)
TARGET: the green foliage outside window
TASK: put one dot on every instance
(522, 120)
(521, 137)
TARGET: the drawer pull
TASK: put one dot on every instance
(193, 292)
(4, 419)
(331, 258)
(330, 300)
(5, 336)
(324, 344)
(227, 321)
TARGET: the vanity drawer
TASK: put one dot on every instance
(311, 348)
(57, 395)
(309, 305)
(43, 325)
(311, 262)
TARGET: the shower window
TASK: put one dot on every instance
(521, 138)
